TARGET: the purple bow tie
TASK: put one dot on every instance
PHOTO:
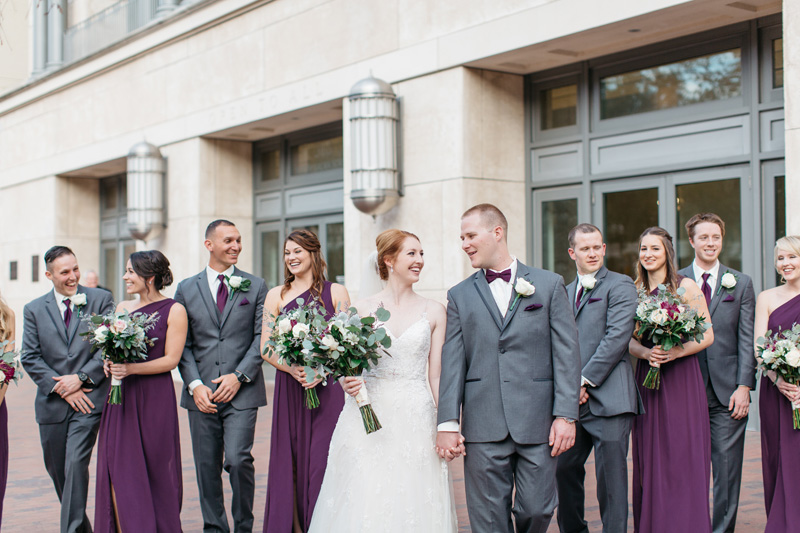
(491, 275)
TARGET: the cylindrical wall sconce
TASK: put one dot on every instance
(146, 169)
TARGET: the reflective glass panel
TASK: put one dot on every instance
(108, 194)
(271, 258)
(559, 107)
(719, 197)
(780, 215)
(316, 156)
(334, 251)
(627, 214)
(558, 217)
(270, 166)
(706, 78)
(777, 63)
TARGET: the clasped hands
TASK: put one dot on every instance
(71, 390)
(659, 356)
(450, 444)
(227, 387)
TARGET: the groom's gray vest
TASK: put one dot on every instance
(513, 374)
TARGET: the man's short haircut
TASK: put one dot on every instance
(213, 226)
(699, 218)
(582, 228)
(54, 253)
(490, 214)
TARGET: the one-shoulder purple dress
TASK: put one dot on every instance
(299, 442)
(139, 450)
(780, 443)
(671, 445)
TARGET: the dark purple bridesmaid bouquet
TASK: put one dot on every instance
(780, 351)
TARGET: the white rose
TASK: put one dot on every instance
(329, 342)
(690, 325)
(641, 310)
(524, 288)
(793, 357)
(300, 330)
(235, 282)
(659, 316)
(284, 325)
(767, 356)
(728, 280)
(101, 334)
(784, 346)
(79, 299)
(588, 282)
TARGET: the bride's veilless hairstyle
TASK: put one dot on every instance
(389, 244)
(152, 264)
(671, 280)
(5, 320)
(309, 242)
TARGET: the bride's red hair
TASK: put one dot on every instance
(389, 243)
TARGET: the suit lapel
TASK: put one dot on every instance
(205, 295)
(601, 274)
(233, 298)
(486, 295)
(52, 309)
(75, 321)
(717, 294)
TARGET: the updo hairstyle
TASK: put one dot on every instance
(152, 264)
(389, 243)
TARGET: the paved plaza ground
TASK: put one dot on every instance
(31, 504)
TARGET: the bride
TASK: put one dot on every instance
(393, 480)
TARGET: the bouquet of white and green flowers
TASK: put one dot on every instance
(354, 345)
(10, 366)
(295, 339)
(665, 320)
(122, 338)
(780, 351)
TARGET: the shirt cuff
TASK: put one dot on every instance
(585, 382)
(193, 385)
(450, 425)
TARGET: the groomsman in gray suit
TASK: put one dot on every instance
(604, 304)
(71, 386)
(221, 366)
(728, 365)
(511, 373)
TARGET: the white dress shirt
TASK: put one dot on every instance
(62, 307)
(712, 279)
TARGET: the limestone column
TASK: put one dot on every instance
(791, 95)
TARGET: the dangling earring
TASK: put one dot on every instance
(391, 269)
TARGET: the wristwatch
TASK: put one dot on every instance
(241, 377)
(83, 376)
(567, 420)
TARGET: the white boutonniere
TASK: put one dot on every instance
(588, 283)
(78, 300)
(523, 288)
(728, 282)
(238, 283)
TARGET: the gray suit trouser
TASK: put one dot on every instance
(492, 470)
(609, 436)
(224, 440)
(727, 454)
(67, 448)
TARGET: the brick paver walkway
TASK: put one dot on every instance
(31, 504)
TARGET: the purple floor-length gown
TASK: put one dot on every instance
(3, 454)
(780, 443)
(672, 451)
(299, 442)
(139, 450)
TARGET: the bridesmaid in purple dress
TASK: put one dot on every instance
(300, 437)
(779, 308)
(6, 334)
(139, 482)
(672, 440)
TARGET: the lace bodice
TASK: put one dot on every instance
(408, 355)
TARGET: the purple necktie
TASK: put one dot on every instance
(67, 312)
(580, 295)
(222, 293)
(491, 275)
(706, 288)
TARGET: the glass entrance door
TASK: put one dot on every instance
(555, 212)
(773, 179)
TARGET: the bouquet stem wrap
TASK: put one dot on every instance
(115, 394)
(368, 416)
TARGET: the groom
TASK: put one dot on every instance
(221, 366)
(511, 372)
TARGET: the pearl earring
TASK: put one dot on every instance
(391, 269)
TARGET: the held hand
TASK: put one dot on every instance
(584, 396)
(317, 381)
(107, 368)
(120, 370)
(66, 385)
(298, 373)
(79, 401)
(562, 436)
(352, 385)
(228, 386)
(202, 399)
(449, 445)
(739, 404)
(792, 392)
(659, 356)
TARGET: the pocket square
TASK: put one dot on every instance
(592, 300)
(244, 301)
(534, 307)
(729, 298)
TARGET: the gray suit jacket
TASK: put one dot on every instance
(605, 320)
(222, 343)
(49, 350)
(730, 361)
(513, 374)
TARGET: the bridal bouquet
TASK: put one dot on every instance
(10, 366)
(354, 344)
(780, 351)
(665, 320)
(121, 337)
(295, 339)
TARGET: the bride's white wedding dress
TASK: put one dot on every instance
(392, 479)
